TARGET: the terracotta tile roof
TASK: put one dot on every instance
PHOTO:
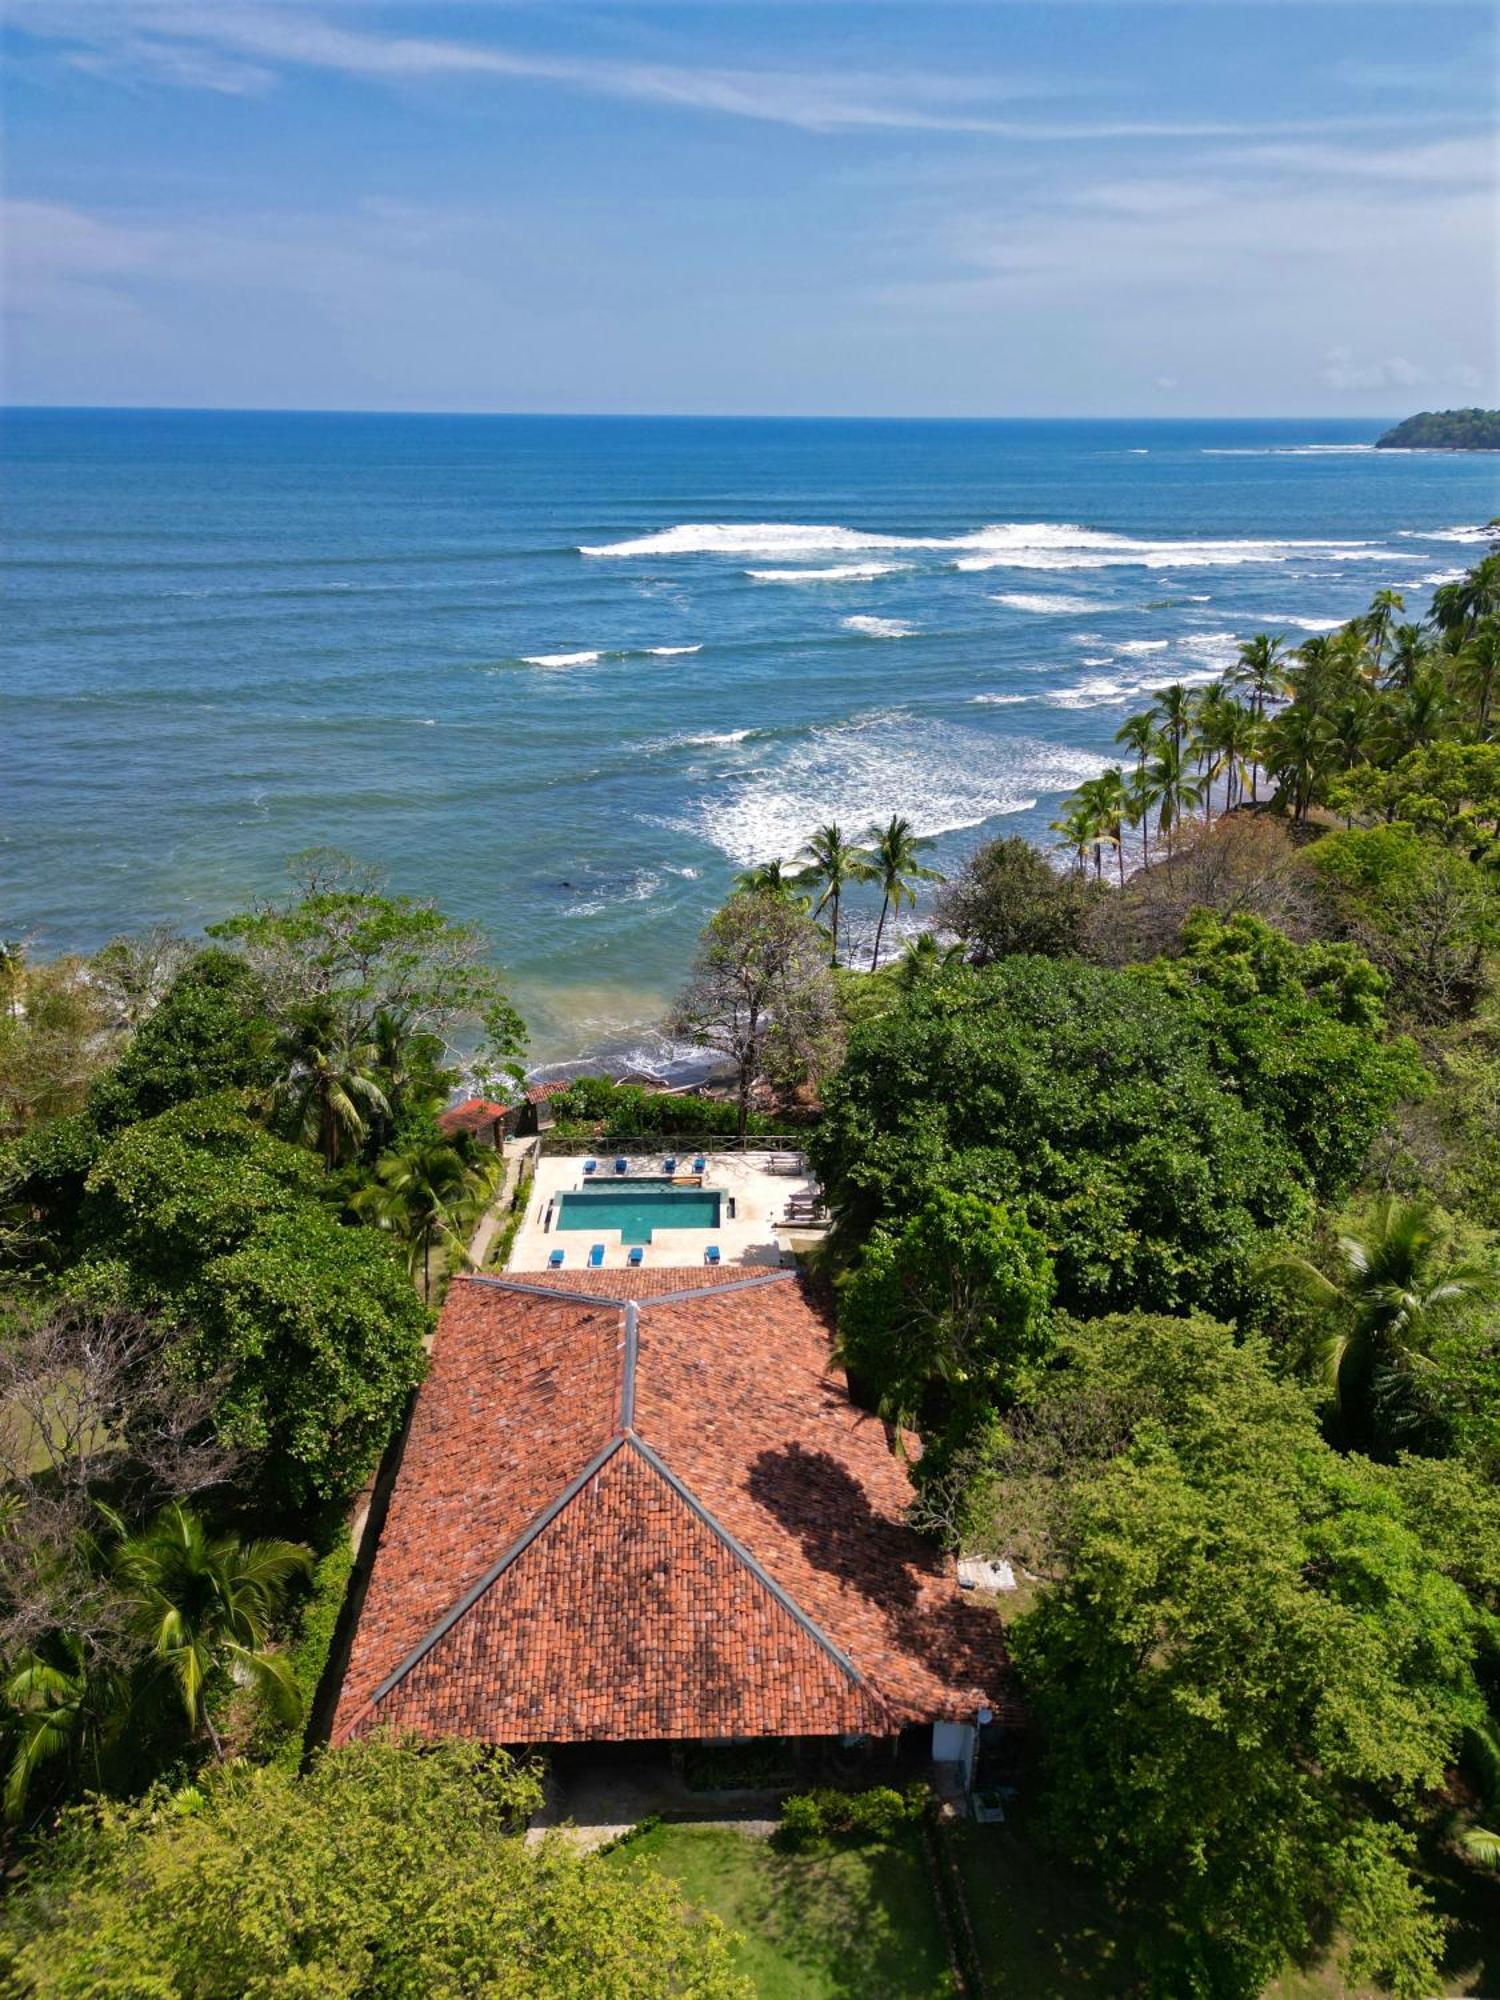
(472, 1115)
(633, 1520)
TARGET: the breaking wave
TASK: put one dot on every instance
(880, 628)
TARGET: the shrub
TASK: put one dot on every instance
(598, 1106)
(876, 1814)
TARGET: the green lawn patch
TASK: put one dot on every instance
(1041, 1934)
(829, 1922)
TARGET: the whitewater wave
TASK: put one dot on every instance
(1306, 624)
(1281, 450)
(1434, 580)
(833, 573)
(671, 652)
(562, 659)
(880, 628)
(1046, 606)
(1033, 545)
(1131, 647)
(942, 777)
(1459, 534)
(998, 700)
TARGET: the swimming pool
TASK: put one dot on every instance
(636, 1208)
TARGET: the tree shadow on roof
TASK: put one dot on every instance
(815, 1497)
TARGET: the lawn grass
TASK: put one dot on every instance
(829, 1922)
(839, 1922)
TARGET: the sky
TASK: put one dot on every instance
(898, 207)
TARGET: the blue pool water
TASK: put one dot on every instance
(636, 1210)
(568, 676)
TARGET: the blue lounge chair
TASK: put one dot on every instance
(700, 1165)
(621, 1165)
(555, 1261)
(596, 1256)
(711, 1254)
(591, 1166)
(637, 1254)
(669, 1165)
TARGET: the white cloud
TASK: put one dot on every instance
(1342, 371)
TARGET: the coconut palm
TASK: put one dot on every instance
(1106, 801)
(205, 1606)
(769, 878)
(924, 957)
(1261, 669)
(834, 865)
(894, 865)
(1173, 709)
(1233, 737)
(1408, 650)
(1172, 790)
(1397, 1285)
(1460, 607)
(1297, 751)
(1076, 827)
(1419, 713)
(329, 1088)
(1477, 673)
(424, 1192)
(1378, 621)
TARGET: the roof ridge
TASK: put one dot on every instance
(679, 1293)
(748, 1562)
(542, 1291)
(534, 1527)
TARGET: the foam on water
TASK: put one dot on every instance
(1041, 545)
(939, 776)
(561, 659)
(999, 700)
(860, 572)
(1045, 606)
(671, 652)
(880, 628)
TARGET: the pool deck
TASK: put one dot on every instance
(751, 1235)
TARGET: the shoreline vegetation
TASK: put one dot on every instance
(1444, 430)
(1165, 1203)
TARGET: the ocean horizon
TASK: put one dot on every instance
(568, 674)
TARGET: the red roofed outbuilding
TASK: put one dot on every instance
(641, 1506)
(486, 1122)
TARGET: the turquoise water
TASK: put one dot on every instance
(636, 1211)
(568, 676)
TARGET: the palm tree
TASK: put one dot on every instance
(1399, 1283)
(768, 878)
(421, 1192)
(834, 864)
(1298, 745)
(1172, 790)
(1077, 827)
(1173, 708)
(1460, 607)
(329, 1090)
(59, 1709)
(1106, 800)
(1478, 673)
(894, 865)
(1420, 712)
(1408, 650)
(1378, 621)
(1261, 669)
(205, 1604)
(924, 957)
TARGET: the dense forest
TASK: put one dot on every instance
(1444, 430)
(1166, 1209)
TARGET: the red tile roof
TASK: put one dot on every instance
(472, 1115)
(641, 1504)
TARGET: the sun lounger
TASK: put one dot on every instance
(591, 1166)
(700, 1165)
(669, 1166)
(637, 1254)
(711, 1254)
(596, 1256)
(621, 1165)
(555, 1261)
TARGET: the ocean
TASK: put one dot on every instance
(567, 676)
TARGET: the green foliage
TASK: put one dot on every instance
(53, 1033)
(1254, 1670)
(598, 1107)
(875, 1814)
(210, 1033)
(392, 1871)
(1428, 916)
(946, 1315)
(1295, 1031)
(317, 1625)
(1444, 430)
(312, 1328)
(1090, 1108)
(1007, 898)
